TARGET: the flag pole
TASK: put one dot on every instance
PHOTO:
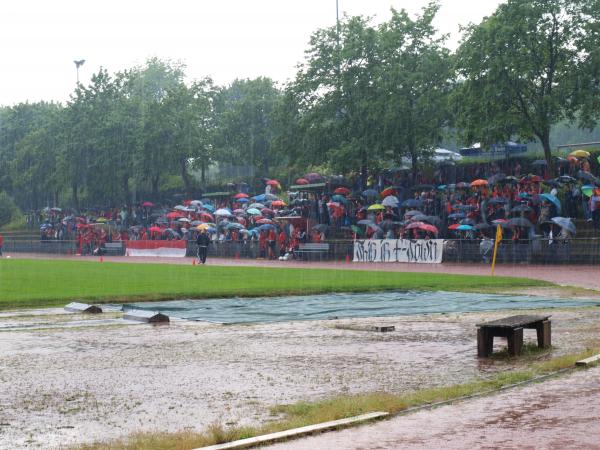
(497, 241)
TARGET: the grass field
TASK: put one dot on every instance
(44, 283)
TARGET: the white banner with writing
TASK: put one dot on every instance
(421, 251)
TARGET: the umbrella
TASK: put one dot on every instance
(184, 219)
(339, 199)
(464, 227)
(223, 212)
(462, 184)
(180, 208)
(206, 217)
(457, 216)
(174, 215)
(365, 222)
(208, 207)
(240, 195)
(321, 227)
(376, 207)
(266, 227)
(566, 179)
(147, 204)
(370, 193)
(412, 203)
(413, 225)
(195, 223)
(519, 222)
(479, 182)
(302, 181)
(387, 192)
(278, 203)
(580, 154)
(342, 191)
(412, 213)
(598, 158)
(496, 178)
(273, 183)
(239, 212)
(430, 228)
(587, 176)
(267, 211)
(565, 222)
(253, 211)
(196, 203)
(155, 229)
(264, 221)
(270, 197)
(356, 230)
(521, 209)
(552, 199)
(587, 190)
(235, 226)
(468, 222)
(454, 226)
(391, 201)
(256, 206)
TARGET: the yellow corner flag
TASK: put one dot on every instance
(498, 239)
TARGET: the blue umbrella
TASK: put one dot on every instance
(552, 199)
(208, 207)
(412, 203)
(457, 216)
(339, 199)
(464, 227)
(266, 227)
(565, 222)
(390, 201)
(242, 200)
(260, 198)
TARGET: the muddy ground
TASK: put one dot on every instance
(68, 378)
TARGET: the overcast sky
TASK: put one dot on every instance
(223, 39)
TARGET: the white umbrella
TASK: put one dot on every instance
(223, 212)
(391, 201)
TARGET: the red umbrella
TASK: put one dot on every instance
(342, 191)
(240, 195)
(147, 204)
(477, 183)
(206, 217)
(278, 203)
(273, 183)
(387, 192)
(155, 229)
(415, 225)
(264, 222)
(302, 181)
(174, 215)
(430, 228)
(454, 226)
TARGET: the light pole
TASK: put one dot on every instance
(78, 64)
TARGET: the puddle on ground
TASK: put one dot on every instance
(328, 306)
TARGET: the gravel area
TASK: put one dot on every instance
(62, 384)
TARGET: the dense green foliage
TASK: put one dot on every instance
(366, 97)
(38, 283)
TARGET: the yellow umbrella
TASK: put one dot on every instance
(580, 154)
(203, 226)
(376, 207)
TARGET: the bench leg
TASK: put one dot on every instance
(544, 334)
(485, 343)
(515, 342)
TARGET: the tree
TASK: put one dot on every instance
(244, 115)
(414, 84)
(526, 68)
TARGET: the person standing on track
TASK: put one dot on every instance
(203, 242)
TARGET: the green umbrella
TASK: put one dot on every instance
(598, 158)
(587, 190)
(376, 207)
(357, 230)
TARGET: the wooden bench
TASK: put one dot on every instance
(512, 329)
(312, 248)
(113, 248)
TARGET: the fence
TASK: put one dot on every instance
(537, 251)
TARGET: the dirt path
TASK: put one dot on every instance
(582, 276)
(562, 413)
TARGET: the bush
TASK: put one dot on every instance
(7, 208)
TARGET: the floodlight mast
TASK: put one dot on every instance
(78, 64)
